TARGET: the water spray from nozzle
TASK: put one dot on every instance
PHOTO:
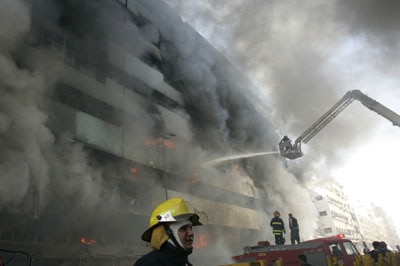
(237, 156)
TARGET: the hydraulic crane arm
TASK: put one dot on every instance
(293, 151)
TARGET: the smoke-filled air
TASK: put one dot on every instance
(303, 57)
(300, 58)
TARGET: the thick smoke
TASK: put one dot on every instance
(36, 167)
(36, 164)
(374, 21)
(304, 57)
(22, 132)
(292, 47)
(26, 83)
(224, 122)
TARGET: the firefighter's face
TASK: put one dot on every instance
(186, 236)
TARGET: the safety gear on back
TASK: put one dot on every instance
(170, 211)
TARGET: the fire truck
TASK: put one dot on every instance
(293, 150)
(320, 251)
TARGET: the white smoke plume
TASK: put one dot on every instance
(36, 168)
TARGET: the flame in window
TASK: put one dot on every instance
(200, 241)
(237, 169)
(194, 179)
(168, 143)
(86, 241)
(133, 170)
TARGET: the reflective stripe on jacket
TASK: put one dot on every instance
(277, 225)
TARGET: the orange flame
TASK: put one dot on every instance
(168, 143)
(87, 241)
(237, 169)
(201, 241)
(194, 180)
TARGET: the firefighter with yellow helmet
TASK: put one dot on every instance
(170, 234)
(278, 228)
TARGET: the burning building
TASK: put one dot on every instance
(109, 107)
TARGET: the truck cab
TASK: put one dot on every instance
(336, 247)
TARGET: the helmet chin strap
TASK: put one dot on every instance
(173, 233)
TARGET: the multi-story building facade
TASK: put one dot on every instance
(336, 214)
(109, 108)
(368, 223)
(362, 222)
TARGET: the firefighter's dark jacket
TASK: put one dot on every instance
(293, 224)
(277, 226)
(167, 255)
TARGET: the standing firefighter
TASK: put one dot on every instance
(294, 230)
(170, 234)
(278, 228)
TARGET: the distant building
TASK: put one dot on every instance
(368, 222)
(336, 215)
(362, 222)
(375, 224)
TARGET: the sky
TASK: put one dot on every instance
(303, 56)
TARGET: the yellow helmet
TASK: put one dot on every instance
(170, 211)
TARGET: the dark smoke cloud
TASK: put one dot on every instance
(35, 166)
(304, 56)
(34, 162)
(223, 121)
(213, 95)
(376, 21)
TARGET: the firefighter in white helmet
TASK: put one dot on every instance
(170, 234)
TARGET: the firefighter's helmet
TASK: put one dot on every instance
(277, 214)
(170, 211)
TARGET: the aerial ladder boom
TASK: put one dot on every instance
(293, 150)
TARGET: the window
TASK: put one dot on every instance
(328, 230)
(319, 197)
(123, 2)
(350, 248)
(323, 213)
(335, 249)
